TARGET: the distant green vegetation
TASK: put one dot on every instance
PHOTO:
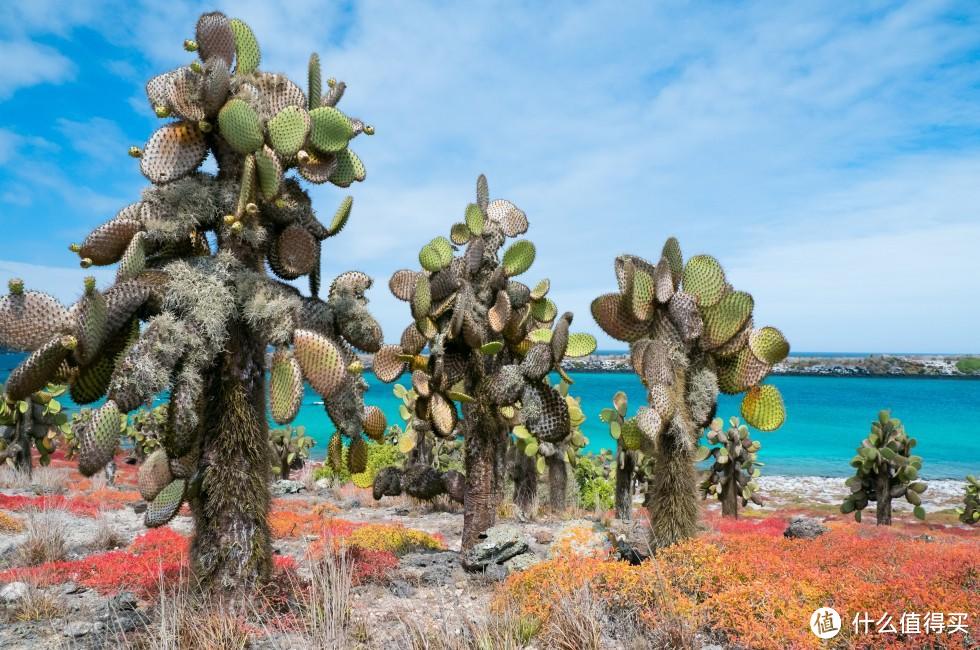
(968, 365)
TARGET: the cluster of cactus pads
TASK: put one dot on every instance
(630, 462)
(34, 422)
(191, 258)
(691, 335)
(732, 475)
(289, 448)
(970, 512)
(490, 340)
(884, 469)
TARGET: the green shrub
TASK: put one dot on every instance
(596, 493)
(380, 455)
(593, 475)
(968, 365)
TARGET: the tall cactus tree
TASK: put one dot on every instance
(490, 345)
(629, 440)
(690, 335)
(884, 469)
(191, 260)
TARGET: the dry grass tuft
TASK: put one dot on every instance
(325, 605)
(106, 537)
(576, 622)
(43, 480)
(506, 631)
(45, 541)
(37, 605)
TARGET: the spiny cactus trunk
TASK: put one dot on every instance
(22, 459)
(484, 437)
(624, 483)
(232, 549)
(729, 498)
(284, 470)
(525, 484)
(557, 482)
(673, 502)
(421, 454)
(883, 501)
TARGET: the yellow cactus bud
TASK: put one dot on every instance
(251, 209)
(230, 219)
(190, 45)
(162, 111)
(204, 126)
(16, 286)
(331, 82)
(86, 262)
(196, 67)
(368, 129)
(89, 283)
(135, 152)
(74, 248)
(302, 156)
(237, 228)
(356, 366)
(280, 203)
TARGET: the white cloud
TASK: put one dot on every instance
(26, 63)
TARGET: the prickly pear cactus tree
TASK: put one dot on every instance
(490, 341)
(691, 335)
(192, 257)
(970, 512)
(289, 448)
(426, 473)
(629, 440)
(885, 469)
(732, 476)
(34, 422)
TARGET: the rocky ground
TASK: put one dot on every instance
(427, 589)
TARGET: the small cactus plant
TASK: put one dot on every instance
(970, 512)
(691, 335)
(191, 260)
(289, 448)
(628, 457)
(732, 475)
(885, 469)
(34, 422)
(491, 342)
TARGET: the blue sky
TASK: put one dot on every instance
(827, 153)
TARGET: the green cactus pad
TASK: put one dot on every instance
(672, 253)
(154, 475)
(29, 319)
(341, 216)
(444, 248)
(762, 408)
(580, 344)
(166, 505)
(430, 259)
(314, 82)
(459, 234)
(512, 220)
(285, 387)
(92, 381)
(723, 320)
(375, 423)
(172, 152)
(288, 130)
(133, 261)
(330, 130)
(357, 455)
(268, 171)
(349, 169)
(37, 370)
(518, 257)
(421, 298)
(321, 360)
(248, 54)
(769, 345)
(544, 310)
(474, 219)
(388, 364)
(215, 37)
(609, 312)
(705, 280)
(98, 438)
(641, 295)
(107, 243)
(240, 126)
(741, 371)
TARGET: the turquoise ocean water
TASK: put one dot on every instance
(827, 418)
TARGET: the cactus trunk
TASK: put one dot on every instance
(883, 503)
(525, 484)
(729, 497)
(232, 550)
(624, 483)
(22, 459)
(557, 482)
(484, 437)
(673, 503)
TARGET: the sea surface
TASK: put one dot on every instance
(828, 416)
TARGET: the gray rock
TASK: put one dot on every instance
(401, 588)
(495, 572)
(521, 562)
(435, 568)
(13, 592)
(496, 546)
(323, 484)
(805, 528)
(712, 646)
(139, 507)
(76, 629)
(283, 487)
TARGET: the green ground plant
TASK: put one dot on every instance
(193, 309)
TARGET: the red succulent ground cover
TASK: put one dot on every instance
(86, 505)
(760, 588)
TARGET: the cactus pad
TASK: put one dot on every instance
(247, 50)
(107, 243)
(357, 455)
(318, 169)
(154, 475)
(29, 319)
(609, 312)
(349, 169)
(285, 387)
(554, 424)
(762, 407)
(580, 344)
(474, 219)
(295, 252)
(723, 320)
(330, 130)
(388, 364)
(240, 127)
(684, 314)
(518, 257)
(704, 279)
(172, 152)
(35, 371)
(512, 220)
(769, 345)
(98, 438)
(165, 505)
(375, 423)
(444, 415)
(288, 129)
(631, 435)
(268, 171)
(321, 360)
(215, 37)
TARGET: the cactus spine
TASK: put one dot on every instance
(690, 335)
(732, 475)
(885, 469)
(192, 257)
(491, 341)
